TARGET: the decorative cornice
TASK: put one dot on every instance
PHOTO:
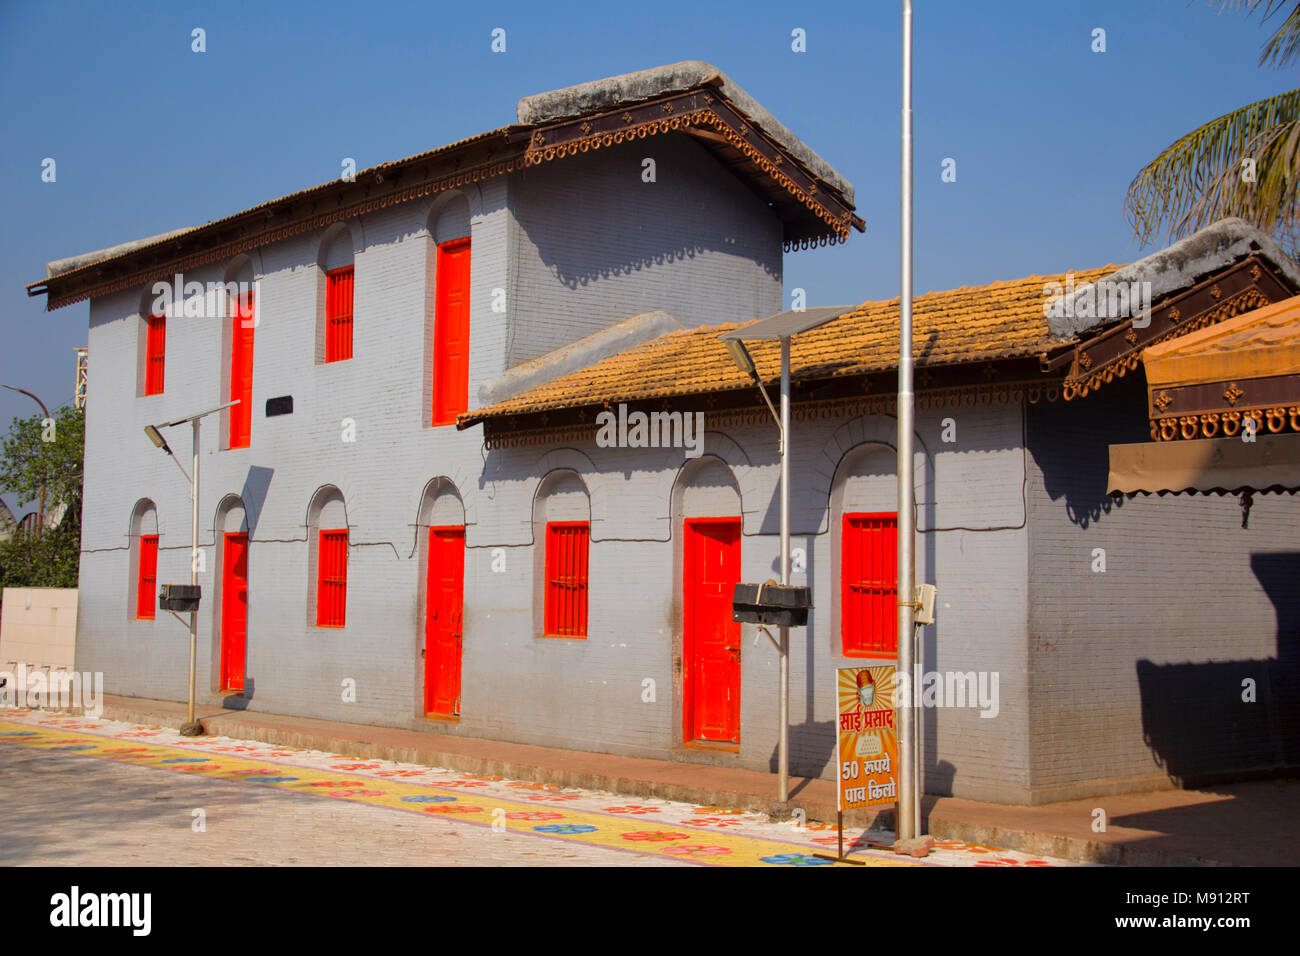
(1085, 378)
(500, 435)
(1271, 420)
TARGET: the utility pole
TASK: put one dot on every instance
(908, 827)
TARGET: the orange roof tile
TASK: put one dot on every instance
(971, 324)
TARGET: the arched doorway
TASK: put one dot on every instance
(706, 502)
(442, 518)
(232, 602)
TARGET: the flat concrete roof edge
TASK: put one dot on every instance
(585, 352)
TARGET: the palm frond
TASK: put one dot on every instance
(1199, 178)
(1283, 46)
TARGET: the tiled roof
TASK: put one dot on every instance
(970, 324)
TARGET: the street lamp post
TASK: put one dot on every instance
(781, 327)
(191, 727)
(909, 790)
(40, 503)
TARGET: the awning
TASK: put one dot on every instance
(1207, 465)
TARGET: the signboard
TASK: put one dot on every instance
(867, 741)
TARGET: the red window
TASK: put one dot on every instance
(332, 578)
(241, 371)
(148, 578)
(338, 315)
(155, 355)
(869, 572)
(566, 578)
(451, 332)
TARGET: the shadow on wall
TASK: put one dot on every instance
(615, 246)
(1070, 442)
(812, 748)
(1217, 721)
(256, 484)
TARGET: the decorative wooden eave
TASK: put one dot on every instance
(1113, 353)
(813, 212)
(1214, 409)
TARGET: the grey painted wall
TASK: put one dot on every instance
(380, 396)
(1137, 672)
(595, 244)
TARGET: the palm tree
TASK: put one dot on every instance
(1208, 174)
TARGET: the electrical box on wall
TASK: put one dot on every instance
(179, 597)
(924, 598)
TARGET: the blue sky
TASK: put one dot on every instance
(149, 136)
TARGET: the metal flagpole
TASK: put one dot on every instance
(783, 761)
(908, 799)
(191, 728)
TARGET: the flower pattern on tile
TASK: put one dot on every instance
(682, 849)
(655, 836)
(453, 809)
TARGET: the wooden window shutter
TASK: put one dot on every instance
(332, 578)
(155, 355)
(241, 371)
(451, 332)
(566, 578)
(147, 583)
(338, 314)
(869, 581)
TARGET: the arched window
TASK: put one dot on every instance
(561, 547)
(327, 541)
(152, 352)
(448, 278)
(142, 596)
(864, 542)
(335, 295)
(241, 321)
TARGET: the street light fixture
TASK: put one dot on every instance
(191, 727)
(40, 503)
(155, 436)
(781, 327)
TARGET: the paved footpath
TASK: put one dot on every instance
(79, 791)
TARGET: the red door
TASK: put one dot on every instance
(234, 611)
(241, 371)
(444, 595)
(451, 332)
(711, 640)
